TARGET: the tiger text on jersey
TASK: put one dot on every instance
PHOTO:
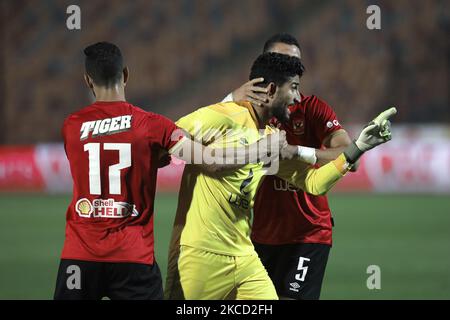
(109, 208)
(105, 126)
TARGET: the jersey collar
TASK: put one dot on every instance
(251, 110)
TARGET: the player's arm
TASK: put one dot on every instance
(216, 160)
(209, 159)
(163, 158)
(319, 181)
(202, 133)
(175, 141)
(314, 181)
(335, 143)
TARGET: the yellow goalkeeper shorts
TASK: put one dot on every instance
(204, 275)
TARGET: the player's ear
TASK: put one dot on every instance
(88, 81)
(126, 74)
(271, 89)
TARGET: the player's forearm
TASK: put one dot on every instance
(314, 181)
(229, 159)
(335, 144)
(311, 156)
(215, 160)
(320, 181)
(329, 154)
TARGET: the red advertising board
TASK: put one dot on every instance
(417, 160)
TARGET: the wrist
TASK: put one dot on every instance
(307, 154)
(353, 152)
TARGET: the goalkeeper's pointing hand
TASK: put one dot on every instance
(377, 132)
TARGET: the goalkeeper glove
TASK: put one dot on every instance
(377, 132)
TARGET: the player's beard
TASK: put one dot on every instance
(281, 112)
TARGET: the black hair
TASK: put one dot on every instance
(104, 63)
(276, 68)
(281, 38)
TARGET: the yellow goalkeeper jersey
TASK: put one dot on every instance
(215, 209)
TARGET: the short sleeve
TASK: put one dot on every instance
(63, 129)
(204, 125)
(168, 134)
(325, 119)
(63, 132)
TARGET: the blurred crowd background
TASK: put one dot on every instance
(184, 54)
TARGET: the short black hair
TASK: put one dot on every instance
(276, 68)
(104, 63)
(281, 38)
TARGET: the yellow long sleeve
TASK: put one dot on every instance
(314, 181)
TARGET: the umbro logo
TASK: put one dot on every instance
(294, 286)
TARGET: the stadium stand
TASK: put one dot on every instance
(185, 54)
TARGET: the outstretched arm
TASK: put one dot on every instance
(335, 144)
(319, 181)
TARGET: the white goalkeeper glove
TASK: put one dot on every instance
(377, 132)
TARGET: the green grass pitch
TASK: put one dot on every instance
(407, 236)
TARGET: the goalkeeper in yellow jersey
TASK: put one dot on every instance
(211, 255)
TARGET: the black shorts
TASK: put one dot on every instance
(86, 280)
(297, 269)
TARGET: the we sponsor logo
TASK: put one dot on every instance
(240, 200)
(282, 185)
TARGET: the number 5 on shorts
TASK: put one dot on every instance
(303, 269)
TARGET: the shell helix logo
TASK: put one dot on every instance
(109, 208)
(84, 207)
